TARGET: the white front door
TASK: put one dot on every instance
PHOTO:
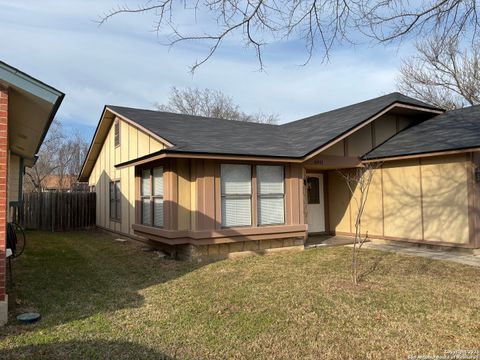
(316, 205)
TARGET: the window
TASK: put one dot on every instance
(313, 190)
(151, 192)
(270, 195)
(236, 191)
(117, 132)
(115, 205)
(92, 188)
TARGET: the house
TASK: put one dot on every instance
(57, 183)
(204, 187)
(27, 108)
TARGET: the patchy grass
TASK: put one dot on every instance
(103, 299)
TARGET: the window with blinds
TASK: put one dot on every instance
(270, 195)
(115, 203)
(236, 193)
(151, 193)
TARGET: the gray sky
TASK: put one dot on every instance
(124, 63)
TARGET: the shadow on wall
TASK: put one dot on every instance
(84, 350)
(435, 209)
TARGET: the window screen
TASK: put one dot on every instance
(270, 195)
(236, 189)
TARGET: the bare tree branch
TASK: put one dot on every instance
(61, 156)
(442, 74)
(210, 103)
(319, 24)
(358, 182)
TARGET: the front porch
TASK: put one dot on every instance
(325, 240)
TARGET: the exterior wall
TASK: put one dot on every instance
(375, 133)
(423, 200)
(238, 249)
(345, 153)
(192, 208)
(3, 194)
(208, 203)
(474, 200)
(133, 144)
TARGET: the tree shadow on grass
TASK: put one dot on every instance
(84, 350)
(76, 275)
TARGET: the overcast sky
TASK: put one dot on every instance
(124, 63)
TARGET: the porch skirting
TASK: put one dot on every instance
(200, 253)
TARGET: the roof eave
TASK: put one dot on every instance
(168, 153)
(419, 154)
(37, 88)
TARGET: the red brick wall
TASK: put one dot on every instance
(3, 183)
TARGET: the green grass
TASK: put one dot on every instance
(104, 299)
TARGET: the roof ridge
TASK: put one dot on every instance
(395, 98)
(189, 115)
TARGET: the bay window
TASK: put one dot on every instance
(236, 194)
(270, 195)
(151, 193)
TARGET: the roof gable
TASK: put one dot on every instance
(318, 130)
(452, 130)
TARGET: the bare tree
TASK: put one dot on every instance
(47, 162)
(319, 24)
(61, 155)
(442, 74)
(210, 103)
(358, 181)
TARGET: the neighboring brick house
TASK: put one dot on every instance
(57, 183)
(27, 108)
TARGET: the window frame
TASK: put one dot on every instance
(152, 197)
(269, 196)
(238, 196)
(115, 200)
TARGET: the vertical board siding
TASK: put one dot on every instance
(183, 172)
(339, 209)
(415, 199)
(475, 201)
(445, 199)
(133, 144)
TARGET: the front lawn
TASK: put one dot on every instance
(103, 299)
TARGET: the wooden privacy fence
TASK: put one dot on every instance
(57, 210)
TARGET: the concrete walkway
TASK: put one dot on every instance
(316, 241)
(449, 255)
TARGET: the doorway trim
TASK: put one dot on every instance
(323, 199)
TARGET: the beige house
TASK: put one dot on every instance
(205, 187)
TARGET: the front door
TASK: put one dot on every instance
(316, 206)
